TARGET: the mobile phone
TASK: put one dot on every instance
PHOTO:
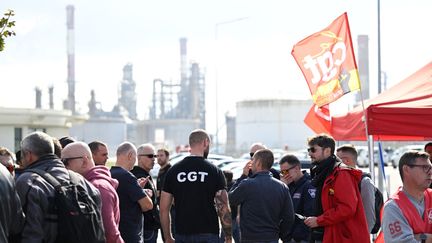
(301, 217)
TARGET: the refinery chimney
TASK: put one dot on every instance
(51, 97)
(70, 102)
(183, 61)
(38, 92)
(363, 66)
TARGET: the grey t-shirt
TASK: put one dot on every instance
(395, 226)
(368, 198)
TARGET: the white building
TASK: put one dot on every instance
(16, 123)
(278, 123)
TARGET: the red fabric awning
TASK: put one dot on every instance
(403, 112)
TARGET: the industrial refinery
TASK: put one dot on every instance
(177, 106)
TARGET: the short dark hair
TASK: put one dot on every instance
(198, 136)
(427, 145)
(165, 151)
(265, 156)
(57, 147)
(94, 146)
(66, 140)
(324, 141)
(291, 159)
(409, 157)
(348, 148)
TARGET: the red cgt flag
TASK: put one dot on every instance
(318, 119)
(327, 61)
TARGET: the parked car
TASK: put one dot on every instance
(401, 150)
(363, 156)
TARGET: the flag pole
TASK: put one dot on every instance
(368, 139)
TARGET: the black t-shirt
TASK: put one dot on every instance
(194, 182)
(129, 192)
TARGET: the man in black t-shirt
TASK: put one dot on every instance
(199, 191)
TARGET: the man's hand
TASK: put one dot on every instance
(284, 178)
(247, 168)
(228, 239)
(170, 240)
(311, 222)
(143, 181)
(149, 192)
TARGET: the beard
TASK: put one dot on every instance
(206, 152)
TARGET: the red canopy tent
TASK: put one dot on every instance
(403, 112)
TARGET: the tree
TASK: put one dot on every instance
(6, 27)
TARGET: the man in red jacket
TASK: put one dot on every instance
(339, 210)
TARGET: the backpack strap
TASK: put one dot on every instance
(46, 176)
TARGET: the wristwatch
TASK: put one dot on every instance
(423, 238)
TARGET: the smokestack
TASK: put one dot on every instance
(51, 97)
(363, 66)
(183, 61)
(70, 103)
(38, 98)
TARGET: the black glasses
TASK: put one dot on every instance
(251, 154)
(66, 160)
(150, 156)
(311, 150)
(426, 168)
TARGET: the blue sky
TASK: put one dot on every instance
(254, 55)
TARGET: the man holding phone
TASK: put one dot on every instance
(302, 194)
(146, 160)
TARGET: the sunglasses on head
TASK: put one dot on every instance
(150, 156)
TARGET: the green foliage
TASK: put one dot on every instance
(6, 27)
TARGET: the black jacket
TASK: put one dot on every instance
(266, 210)
(151, 217)
(303, 197)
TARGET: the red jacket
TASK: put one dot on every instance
(343, 215)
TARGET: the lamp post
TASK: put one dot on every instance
(216, 30)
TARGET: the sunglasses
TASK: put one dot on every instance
(284, 172)
(66, 160)
(311, 150)
(150, 156)
(251, 154)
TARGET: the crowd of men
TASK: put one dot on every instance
(194, 201)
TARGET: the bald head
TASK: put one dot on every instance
(256, 146)
(77, 157)
(126, 155)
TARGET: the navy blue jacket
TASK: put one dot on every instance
(303, 197)
(266, 208)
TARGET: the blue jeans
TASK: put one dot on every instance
(150, 236)
(197, 238)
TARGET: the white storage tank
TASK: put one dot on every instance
(278, 123)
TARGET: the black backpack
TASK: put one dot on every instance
(79, 218)
(379, 202)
